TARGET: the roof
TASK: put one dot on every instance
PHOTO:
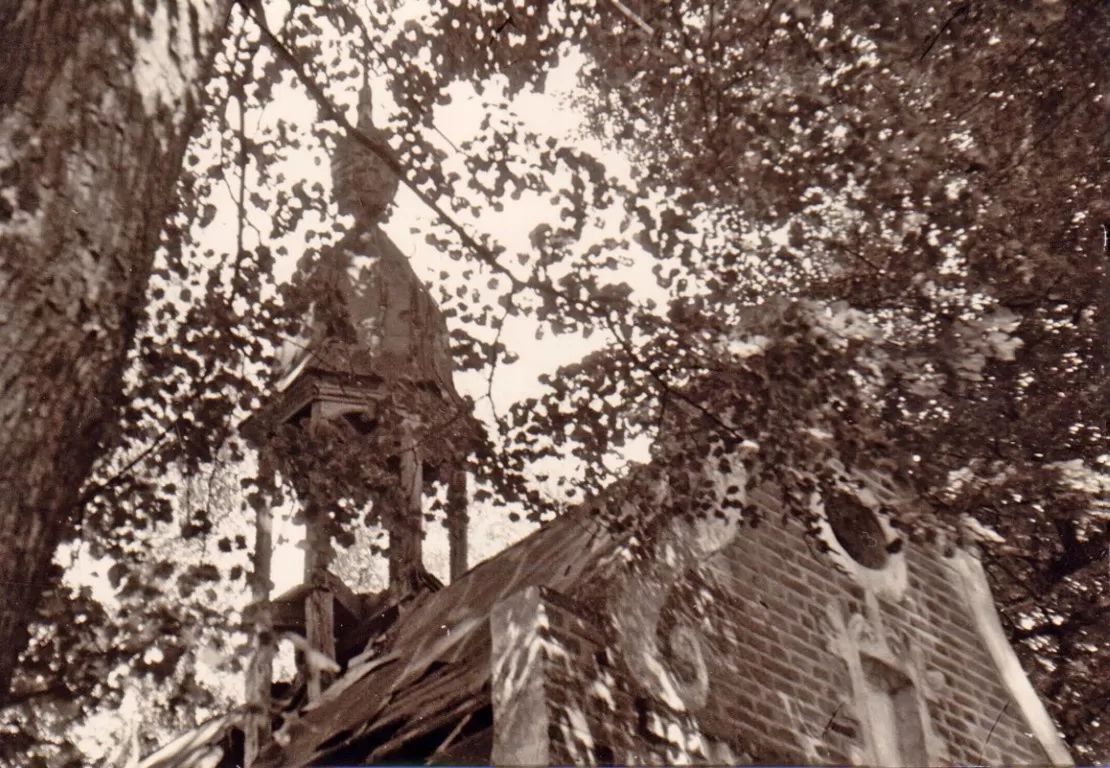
(431, 667)
(372, 317)
(434, 665)
(198, 748)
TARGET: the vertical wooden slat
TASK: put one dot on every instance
(319, 609)
(320, 628)
(260, 672)
(458, 522)
(319, 606)
(406, 556)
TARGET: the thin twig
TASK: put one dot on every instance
(494, 358)
(832, 717)
(962, 11)
(629, 14)
(990, 733)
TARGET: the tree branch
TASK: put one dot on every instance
(24, 697)
(1078, 555)
(329, 112)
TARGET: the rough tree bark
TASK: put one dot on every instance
(97, 100)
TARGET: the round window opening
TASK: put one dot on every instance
(857, 530)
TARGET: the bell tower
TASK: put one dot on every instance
(365, 407)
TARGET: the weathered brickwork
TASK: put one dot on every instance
(594, 714)
(777, 680)
(790, 643)
(724, 645)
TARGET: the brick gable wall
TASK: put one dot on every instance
(770, 649)
(786, 638)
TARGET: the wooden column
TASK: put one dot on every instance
(458, 522)
(319, 609)
(260, 672)
(406, 534)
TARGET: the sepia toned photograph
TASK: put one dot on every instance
(554, 383)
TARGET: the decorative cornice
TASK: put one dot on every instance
(972, 581)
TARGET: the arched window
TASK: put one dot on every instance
(893, 715)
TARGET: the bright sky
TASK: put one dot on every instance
(547, 113)
(458, 122)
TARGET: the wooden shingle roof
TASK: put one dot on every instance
(434, 665)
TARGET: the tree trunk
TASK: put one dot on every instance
(97, 100)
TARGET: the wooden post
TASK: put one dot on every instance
(457, 522)
(406, 534)
(319, 609)
(260, 672)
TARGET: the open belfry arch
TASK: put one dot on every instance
(365, 392)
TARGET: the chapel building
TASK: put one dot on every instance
(720, 643)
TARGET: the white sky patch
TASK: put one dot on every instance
(83, 570)
(546, 114)
(164, 64)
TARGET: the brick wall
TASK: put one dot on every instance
(591, 712)
(786, 639)
(780, 682)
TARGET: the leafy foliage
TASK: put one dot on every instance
(875, 232)
(136, 634)
(929, 166)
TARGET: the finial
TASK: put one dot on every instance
(364, 183)
(365, 107)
